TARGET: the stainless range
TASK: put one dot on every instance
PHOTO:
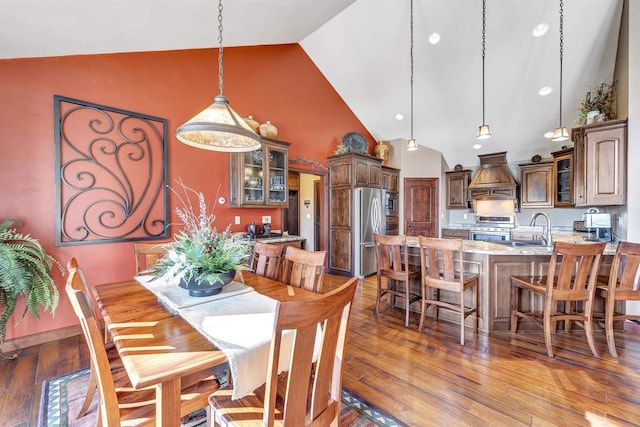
(492, 228)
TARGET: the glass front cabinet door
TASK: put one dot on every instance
(563, 177)
(259, 178)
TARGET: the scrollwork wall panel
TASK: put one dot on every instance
(111, 174)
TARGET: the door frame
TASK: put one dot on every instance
(324, 208)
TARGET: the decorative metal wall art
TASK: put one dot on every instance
(111, 174)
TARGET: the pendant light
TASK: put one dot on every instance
(561, 133)
(412, 144)
(483, 131)
(219, 127)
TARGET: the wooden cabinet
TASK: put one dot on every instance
(536, 185)
(390, 178)
(455, 233)
(260, 178)
(563, 178)
(293, 181)
(457, 188)
(346, 173)
(600, 163)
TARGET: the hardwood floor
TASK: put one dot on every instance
(424, 378)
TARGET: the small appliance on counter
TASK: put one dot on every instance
(598, 227)
(253, 229)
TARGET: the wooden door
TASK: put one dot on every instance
(421, 207)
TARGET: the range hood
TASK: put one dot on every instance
(493, 179)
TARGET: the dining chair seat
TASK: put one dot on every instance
(441, 270)
(120, 404)
(393, 272)
(571, 279)
(622, 285)
(312, 391)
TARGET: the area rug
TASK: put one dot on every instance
(62, 398)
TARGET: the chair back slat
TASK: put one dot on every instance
(147, 255)
(573, 271)
(441, 257)
(304, 269)
(265, 260)
(391, 253)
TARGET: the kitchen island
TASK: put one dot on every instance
(288, 240)
(495, 263)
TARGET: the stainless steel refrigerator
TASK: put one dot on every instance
(370, 218)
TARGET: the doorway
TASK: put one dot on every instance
(305, 215)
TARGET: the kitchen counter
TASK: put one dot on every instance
(495, 264)
(290, 240)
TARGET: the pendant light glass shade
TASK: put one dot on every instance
(560, 134)
(218, 127)
(412, 145)
(484, 132)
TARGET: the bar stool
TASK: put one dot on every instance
(623, 284)
(438, 264)
(392, 261)
(571, 278)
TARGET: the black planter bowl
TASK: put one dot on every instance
(206, 289)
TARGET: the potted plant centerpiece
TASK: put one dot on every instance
(200, 257)
(25, 270)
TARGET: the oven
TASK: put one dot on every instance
(491, 228)
(490, 234)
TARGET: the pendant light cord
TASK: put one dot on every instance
(411, 56)
(484, 39)
(561, 54)
(220, 70)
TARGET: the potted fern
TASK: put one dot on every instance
(25, 270)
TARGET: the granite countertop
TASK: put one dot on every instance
(277, 239)
(489, 248)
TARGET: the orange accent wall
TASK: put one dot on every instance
(276, 83)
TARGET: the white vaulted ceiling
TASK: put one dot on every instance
(362, 47)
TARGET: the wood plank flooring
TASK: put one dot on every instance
(426, 378)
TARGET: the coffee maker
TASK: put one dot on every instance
(598, 227)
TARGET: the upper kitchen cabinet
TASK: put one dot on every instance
(389, 179)
(457, 186)
(536, 185)
(563, 174)
(600, 163)
(259, 178)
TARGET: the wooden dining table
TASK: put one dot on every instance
(158, 347)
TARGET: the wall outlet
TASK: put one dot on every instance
(266, 219)
(620, 221)
(237, 220)
(465, 216)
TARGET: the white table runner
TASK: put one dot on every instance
(175, 298)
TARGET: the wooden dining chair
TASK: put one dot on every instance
(320, 385)
(622, 284)
(394, 270)
(304, 269)
(442, 269)
(147, 255)
(571, 279)
(119, 403)
(265, 260)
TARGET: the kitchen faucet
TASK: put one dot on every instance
(547, 237)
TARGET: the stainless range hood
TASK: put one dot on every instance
(493, 180)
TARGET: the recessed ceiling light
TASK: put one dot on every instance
(399, 116)
(540, 29)
(549, 134)
(545, 91)
(434, 38)
(477, 146)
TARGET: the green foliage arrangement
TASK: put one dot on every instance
(342, 149)
(25, 270)
(199, 251)
(601, 99)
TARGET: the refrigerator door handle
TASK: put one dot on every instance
(375, 215)
(368, 245)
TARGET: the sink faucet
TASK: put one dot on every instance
(547, 236)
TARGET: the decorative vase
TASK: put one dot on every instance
(254, 125)
(381, 151)
(268, 130)
(207, 289)
(592, 116)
